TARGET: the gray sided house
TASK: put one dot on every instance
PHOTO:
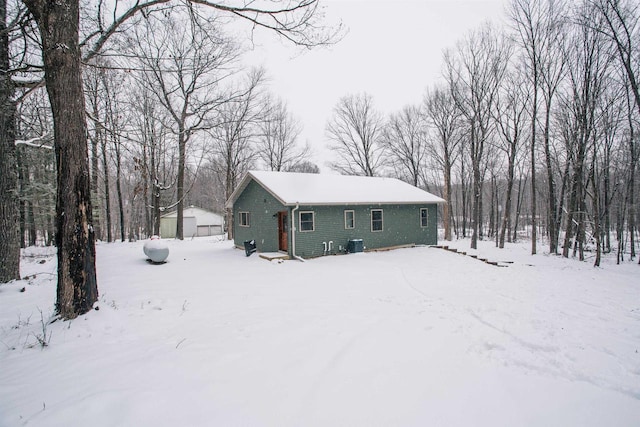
(310, 215)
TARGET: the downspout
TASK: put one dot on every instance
(293, 233)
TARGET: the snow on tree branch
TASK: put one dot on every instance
(37, 142)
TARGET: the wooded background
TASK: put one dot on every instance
(531, 134)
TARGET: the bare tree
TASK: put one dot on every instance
(474, 72)
(153, 153)
(510, 112)
(589, 65)
(626, 208)
(9, 214)
(184, 58)
(96, 135)
(405, 139)
(36, 166)
(444, 118)
(115, 127)
(305, 167)
(355, 131)
(526, 15)
(278, 140)
(232, 147)
(59, 29)
(538, 27)
(620, 25)
(552, 71)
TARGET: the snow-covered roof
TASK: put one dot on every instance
(319, 189)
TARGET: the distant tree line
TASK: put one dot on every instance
(173, 120)
(533, 130)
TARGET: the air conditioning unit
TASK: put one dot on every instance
(355, 245)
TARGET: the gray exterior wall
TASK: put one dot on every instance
(263, 227)
(401, 224)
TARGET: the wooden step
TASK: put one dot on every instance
(485, 260)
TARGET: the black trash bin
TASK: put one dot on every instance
(249, 246)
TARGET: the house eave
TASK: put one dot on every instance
(250, 176)
(345, 203)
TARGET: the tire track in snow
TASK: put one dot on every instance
(326, 375)
(547, 361)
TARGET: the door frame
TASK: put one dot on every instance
(283, 231)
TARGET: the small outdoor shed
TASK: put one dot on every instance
(309, 215)
(196, 222)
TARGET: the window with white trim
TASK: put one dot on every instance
(244, 219)
(349, 220)
(376, 220)
(307, 221)
(424, 217)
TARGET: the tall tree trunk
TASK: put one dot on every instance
(632, 217)
(22, 206)
(481, 222)
(107, 191)
(446, 214)
(492, 204)
(94, 174)
(620, 216)
(58, 23)
(181, 169)
(119, 190)
(33, 233)
(476, 208)
(155, 189)
(507, 204)
(148, 227)
(229, 186)
(9, 213)
(631, 193)
(596, 214)
(156, 207)
(607, 203)
(582, 226)
(463, 190)
(477, 187)
(571, 208)
(534, 118)
(552, 215)
(521, 186)
(561, 198)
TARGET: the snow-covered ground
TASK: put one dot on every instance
(410, 337)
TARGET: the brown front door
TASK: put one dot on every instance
(283, 227)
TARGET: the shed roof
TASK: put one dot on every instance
(319, 189)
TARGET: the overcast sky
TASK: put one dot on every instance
(393, 51)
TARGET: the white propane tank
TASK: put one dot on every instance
(156, 250)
